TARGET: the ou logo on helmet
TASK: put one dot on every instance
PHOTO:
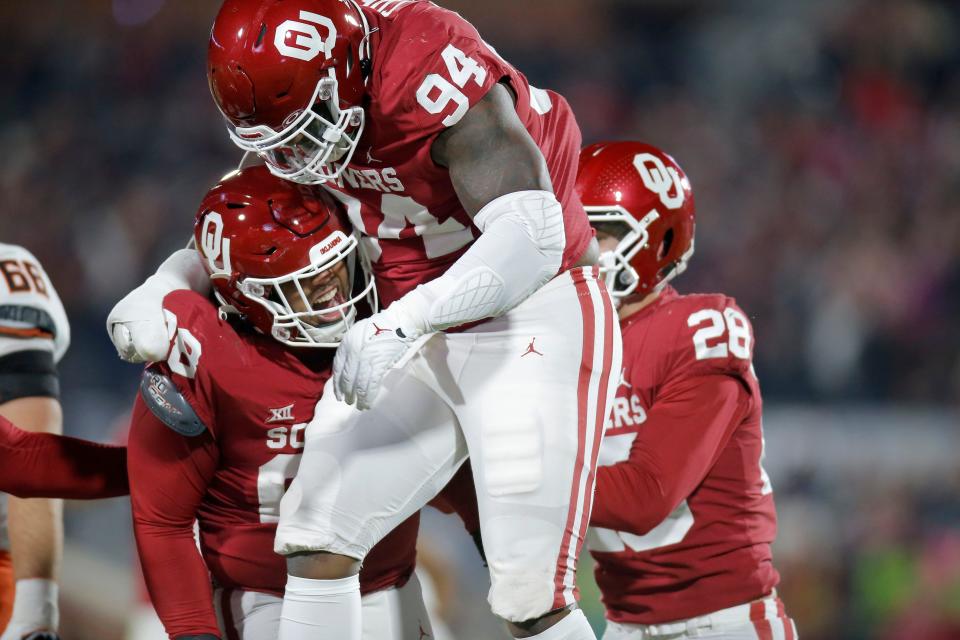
(660, 179)
(307, 41)
(214, 245)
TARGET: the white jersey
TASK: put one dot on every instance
(31, 314)
(31, 319)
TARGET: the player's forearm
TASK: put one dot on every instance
(685, 431)
(44, 465)
(503, 183)
(519, 250)
(629, 498)
(177, 578)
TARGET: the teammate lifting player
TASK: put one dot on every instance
(460, 175)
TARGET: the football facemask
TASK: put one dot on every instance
(316, 146)
(315, 306)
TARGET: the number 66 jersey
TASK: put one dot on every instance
(683, 516)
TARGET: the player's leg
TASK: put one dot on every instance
(247, 615)
(536, 388)
(396, 614)
(362, 473)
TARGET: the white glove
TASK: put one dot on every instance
(370, 349)
(34, 610)
(137, 325)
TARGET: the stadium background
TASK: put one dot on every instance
(823, 141)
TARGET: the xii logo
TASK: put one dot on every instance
(283, 414)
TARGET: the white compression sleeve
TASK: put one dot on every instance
(520, 250)
(184, 270)
(315, 609)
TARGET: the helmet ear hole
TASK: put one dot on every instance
(665, 244)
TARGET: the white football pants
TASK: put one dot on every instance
(526, 394)
(759, 620)
(390, 614)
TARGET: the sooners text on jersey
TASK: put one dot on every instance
(713, 550)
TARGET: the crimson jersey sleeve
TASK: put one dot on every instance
(695, 356)
(171, 466)
(198, 337)
(437, 71)
(169, 474)
(685, 432)
(45, 465)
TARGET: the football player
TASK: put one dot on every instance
(34, 335)
(683, 517)
(218, 427)
(460, 175)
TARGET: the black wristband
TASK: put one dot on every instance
(28, 374)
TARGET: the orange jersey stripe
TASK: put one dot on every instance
(32, 332)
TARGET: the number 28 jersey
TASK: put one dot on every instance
(684, 513)
(429, 67)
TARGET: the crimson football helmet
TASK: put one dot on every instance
(640, 195)
(284, 256)
(290, 77)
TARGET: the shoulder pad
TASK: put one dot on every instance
(169, 405)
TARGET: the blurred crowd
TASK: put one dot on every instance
(822, 139)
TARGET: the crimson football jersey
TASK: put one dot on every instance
(231, 462)
(429, 67)
(683, 516)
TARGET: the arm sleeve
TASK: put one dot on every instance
(44, 465)
(686, 430)
(169, 475)
(28, 374)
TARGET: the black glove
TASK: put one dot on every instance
(41, 635)
(205, 636)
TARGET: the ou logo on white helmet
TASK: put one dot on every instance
(214, 246)
(307, 41)
(660, 179)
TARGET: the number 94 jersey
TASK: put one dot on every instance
(430, 66)
(684, 515)
(31, 314)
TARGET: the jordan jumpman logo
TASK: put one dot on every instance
(531, 349)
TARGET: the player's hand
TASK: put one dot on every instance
(368, 351)
(137, 324)
(41, 635)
